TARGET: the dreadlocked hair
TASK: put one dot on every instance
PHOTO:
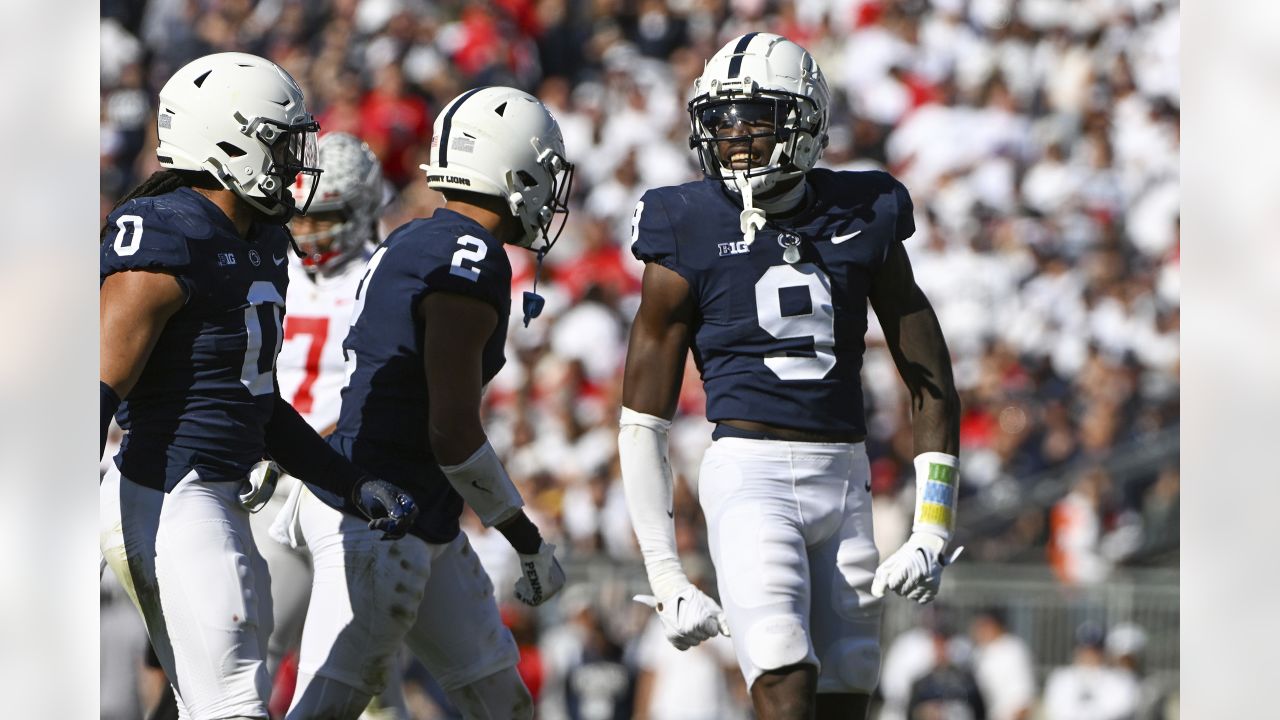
(164, 181)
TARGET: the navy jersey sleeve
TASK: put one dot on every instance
(906, 222)
(468, 265)
(138, 238)
(653, 236)
(151, 233)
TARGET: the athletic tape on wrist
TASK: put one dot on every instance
(485, 486)
(937, 487)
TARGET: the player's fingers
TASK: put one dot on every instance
(649, 600)
(723, 622)
(878, 583)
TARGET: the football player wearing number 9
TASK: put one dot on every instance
(193, 280)
(427, 332)
(766, 268)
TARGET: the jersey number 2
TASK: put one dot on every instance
(261, 323)
(472, 251)
(819, 323)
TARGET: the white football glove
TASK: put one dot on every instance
(542, 576)
(689, 616)
(915, 570)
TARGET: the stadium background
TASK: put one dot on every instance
(1040, 142)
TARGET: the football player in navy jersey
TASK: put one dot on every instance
(766, 268)
(193, 279)
(427, 333)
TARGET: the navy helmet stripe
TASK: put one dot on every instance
(448, 121)
(735, 65)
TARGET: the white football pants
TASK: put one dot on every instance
(290, 570)
(789, 528)
(188, 561)
(370, 595)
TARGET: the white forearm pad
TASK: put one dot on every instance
(937, 487)
(484, 485)
(646, 478)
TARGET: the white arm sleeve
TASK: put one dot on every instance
(646, 478)
(484, 485)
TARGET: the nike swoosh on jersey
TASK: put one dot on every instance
(837, 239)
(279, 261)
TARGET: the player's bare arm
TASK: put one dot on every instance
(659, 343)
(455, 330)
(915, 340)
(919, 350)
(133, 309)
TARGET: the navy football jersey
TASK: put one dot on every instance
(206, 393)
(383, 423)
(777, 342)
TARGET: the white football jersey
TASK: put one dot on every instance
(310, 367)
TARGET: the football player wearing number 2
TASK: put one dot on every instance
(193, 280)
(336, 237)
(765, 268)
(427, 332)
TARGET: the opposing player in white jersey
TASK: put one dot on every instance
(336, 237)
(766, 268)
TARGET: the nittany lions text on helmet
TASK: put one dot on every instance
(350, 193)
(775, 88)
(503, 142)
(243, 120)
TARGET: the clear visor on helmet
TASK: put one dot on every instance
(738, 118)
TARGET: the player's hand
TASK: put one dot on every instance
(258, 488)
(542, 576)
(915, 570)
(689, 616)
(388, 508)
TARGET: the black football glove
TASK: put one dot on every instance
(388, 508)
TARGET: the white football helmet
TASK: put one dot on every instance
(243, 120)
(503, 142)
(351, 188)
(764, 80)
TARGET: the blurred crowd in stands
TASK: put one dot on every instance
(1039, 140)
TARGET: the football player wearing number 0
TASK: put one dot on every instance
(766, 268)
(427, 332)
(193, 281)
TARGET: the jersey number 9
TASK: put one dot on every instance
(818, 323)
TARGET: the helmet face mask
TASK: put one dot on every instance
(293, 153)
(243, 120)
(541, 201)
(764, 88)
(503, 142)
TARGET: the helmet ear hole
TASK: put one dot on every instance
(232, 151)
(527, 179)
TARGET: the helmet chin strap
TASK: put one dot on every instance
(753, 215)
(751, 218)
